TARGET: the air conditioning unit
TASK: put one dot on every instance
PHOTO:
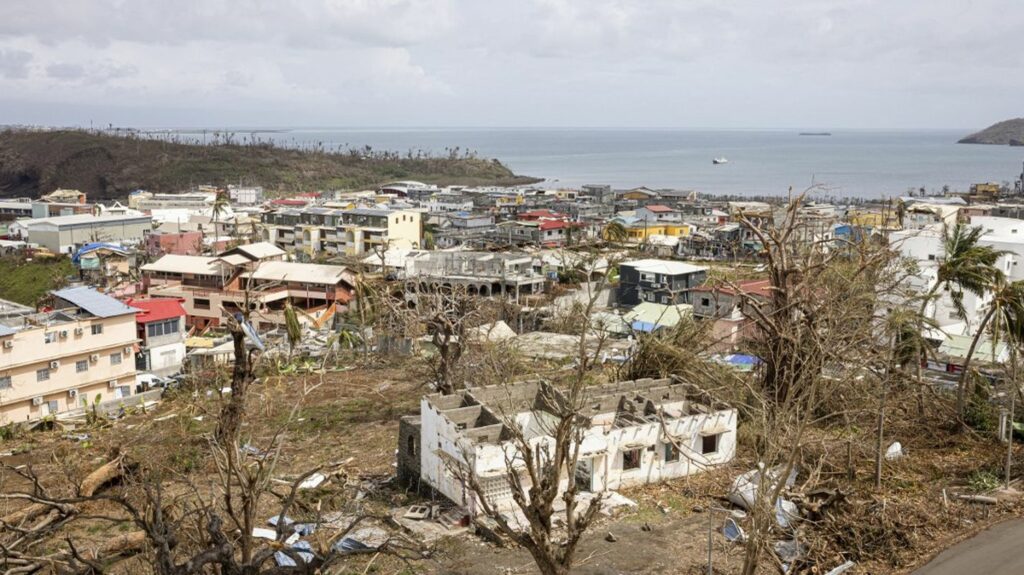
(64, 334)
(37, 400)
(8, 344)
(112, 384)
(73, 393)
(94, 357)
(128, 350)
(79, 331)
(54, 364)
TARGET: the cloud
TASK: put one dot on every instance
(531, 62)
(14, 64)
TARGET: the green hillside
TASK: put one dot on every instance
(107, 166)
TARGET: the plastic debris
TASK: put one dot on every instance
(303, 549)
(733, 532)
(786, 513)
(285, 521)
(790, 551)
(304, 529)
(263, 533)
(842, 568)
(744, 488)
(251, 449)
(312, 481)
(894, 452)
(365, 540)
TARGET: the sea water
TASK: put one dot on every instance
(848, 163)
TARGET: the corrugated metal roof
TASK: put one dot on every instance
(174, 263)
(301, 273)
(94, 302)
(6, 331)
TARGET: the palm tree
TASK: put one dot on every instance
(966, 266)
(615, 232)
(1005, 314)
(219, 208)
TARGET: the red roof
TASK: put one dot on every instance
(659, 209)
(289, 202)
(157, 309)
(553, 225)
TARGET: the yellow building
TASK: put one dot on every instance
(639, 231)
(58, 361)
(885, 219)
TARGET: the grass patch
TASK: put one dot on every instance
(25, 282)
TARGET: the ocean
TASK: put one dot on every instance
(849, 163)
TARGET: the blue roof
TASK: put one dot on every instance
(91, 247)
(6, 331)
(94, 302)
(739, 359)
(645, 326)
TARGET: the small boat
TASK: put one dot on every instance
(717, 161)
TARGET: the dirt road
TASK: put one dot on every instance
(995, 551)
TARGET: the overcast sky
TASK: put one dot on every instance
(619, 63)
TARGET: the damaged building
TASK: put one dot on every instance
(639, 432)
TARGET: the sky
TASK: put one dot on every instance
(517, 63)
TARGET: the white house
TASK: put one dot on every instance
(925, 247)
(639, 432)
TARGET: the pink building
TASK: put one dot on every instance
(182, 243)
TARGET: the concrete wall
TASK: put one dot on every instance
(30, 353)
(405, 229)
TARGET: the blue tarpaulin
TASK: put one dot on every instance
(91, 247)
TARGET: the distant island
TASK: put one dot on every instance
(1005, 133)
(110, 165)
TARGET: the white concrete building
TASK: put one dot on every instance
(65, 234)
(925, 247)
(639, 432)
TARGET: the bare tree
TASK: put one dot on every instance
(814, 333)
(540, 469)
(445, 313)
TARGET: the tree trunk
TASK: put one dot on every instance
(231, 413)
(880, 446)
(961, 384)
(920, 351)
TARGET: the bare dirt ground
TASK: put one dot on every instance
(351, 416)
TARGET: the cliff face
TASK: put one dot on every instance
(1006, 133)
(109, 166)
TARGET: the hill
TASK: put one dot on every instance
(25, 282)
(1008, 132)
(108, 166)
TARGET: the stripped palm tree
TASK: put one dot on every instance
(293, 327)
(218, 209)
(1004, 317)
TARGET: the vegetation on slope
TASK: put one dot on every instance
(25, 282)
(1007, 132)
(108, 166)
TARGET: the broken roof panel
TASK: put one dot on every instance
(94, 302)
